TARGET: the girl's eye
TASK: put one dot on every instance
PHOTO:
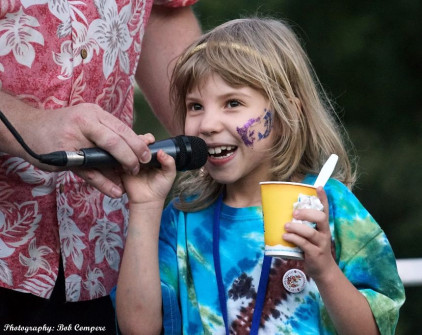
(233, 103)
(194, 106)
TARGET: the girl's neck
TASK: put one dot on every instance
(248, 194)
(239, 197)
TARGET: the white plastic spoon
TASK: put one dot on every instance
(326, 171)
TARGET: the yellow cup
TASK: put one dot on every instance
(278, 199)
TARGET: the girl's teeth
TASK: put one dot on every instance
(219, 150)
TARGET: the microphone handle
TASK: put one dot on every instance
(97, 157)
(94, 157)
(169, 147)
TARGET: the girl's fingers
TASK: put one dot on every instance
(320, 218)
(167, 162)
(301, 241)
(323, 198)
(314, 216)
(302, 230)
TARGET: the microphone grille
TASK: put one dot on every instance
(196, 152)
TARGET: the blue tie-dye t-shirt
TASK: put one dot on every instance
(189, 286)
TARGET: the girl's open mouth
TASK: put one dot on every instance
(222, 151)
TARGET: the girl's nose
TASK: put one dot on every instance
(210, 123)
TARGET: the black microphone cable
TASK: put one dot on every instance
(17, 136)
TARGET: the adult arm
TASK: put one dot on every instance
(168, 33)
(70, 129)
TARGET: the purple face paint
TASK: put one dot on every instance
(246, 133)
(260, 125)
(268, 125)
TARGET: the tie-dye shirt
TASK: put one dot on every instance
(189, 285)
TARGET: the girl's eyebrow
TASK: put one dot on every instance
(191, 97)
(224, 96)
(235, 93)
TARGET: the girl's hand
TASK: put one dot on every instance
(315, 243)
(151, 185)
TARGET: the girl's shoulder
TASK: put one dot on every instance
(332, 187)
(336, 188)
(172, 208)
(339, 195)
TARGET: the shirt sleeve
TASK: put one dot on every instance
(172, 323)
(175, 3)
(365, 256)
(113, 301)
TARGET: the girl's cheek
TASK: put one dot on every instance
(256, 129)
(247, 133)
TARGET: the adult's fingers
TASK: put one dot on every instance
(97, 179)
(114, 136)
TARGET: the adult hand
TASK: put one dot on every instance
(70, 129)
(101, 129)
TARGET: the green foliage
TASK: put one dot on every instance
(368, 56)
(144, 119)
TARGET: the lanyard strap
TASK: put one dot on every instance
(263, 280)
(217, 265)
(260, 295)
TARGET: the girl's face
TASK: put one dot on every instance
(237, 125)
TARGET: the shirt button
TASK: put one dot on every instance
(84, 53)
(61, 188)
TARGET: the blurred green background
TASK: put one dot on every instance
(368, 56)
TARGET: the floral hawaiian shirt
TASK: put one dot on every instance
(53, 54)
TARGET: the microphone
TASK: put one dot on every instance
(189, 153)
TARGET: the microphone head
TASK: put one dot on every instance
(193, 153)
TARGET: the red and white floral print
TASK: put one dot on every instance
(19, 34)
(56, 53)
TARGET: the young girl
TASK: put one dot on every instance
(248, 90)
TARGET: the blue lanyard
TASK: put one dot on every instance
(263, 280)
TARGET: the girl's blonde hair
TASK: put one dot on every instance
(265, 55)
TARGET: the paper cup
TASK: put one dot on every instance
(277, 207)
